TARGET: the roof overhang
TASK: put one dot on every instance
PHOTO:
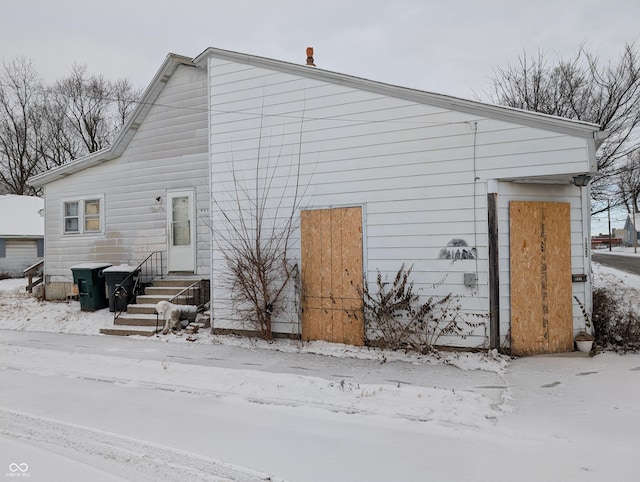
(533, 119)
(509, 114)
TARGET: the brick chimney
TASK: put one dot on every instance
(310, 57)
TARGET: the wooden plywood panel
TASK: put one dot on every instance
(332, 275)
(559, 286)
(311, 275)
(351, 277)
(336, 217)
(540, 262)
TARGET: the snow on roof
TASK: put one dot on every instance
(20, 216)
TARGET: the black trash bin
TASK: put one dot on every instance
(125, 276)
(89, 278)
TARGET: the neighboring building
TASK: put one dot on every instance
(632, 230)
(604, 241)
(479, 199)
(619, 233)
(21, 233)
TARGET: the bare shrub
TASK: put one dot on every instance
(397, 318)
(615, 320)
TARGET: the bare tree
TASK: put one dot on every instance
(42, 127)
(59, 143)
(258, 217)
(20, 124)
(581, 88)
(628, 183)
(94, 107)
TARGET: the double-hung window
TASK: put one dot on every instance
(83, 216)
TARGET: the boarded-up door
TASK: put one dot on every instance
(540, 251)
(331, 241)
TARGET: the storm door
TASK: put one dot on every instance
(181, 231)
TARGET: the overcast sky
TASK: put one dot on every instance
(449, 47)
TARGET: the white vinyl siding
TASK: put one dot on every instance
(167, 152)
(420, 171)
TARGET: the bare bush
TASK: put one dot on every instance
(397, 318)
(615, 320)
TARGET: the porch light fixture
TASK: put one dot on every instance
(581, 180)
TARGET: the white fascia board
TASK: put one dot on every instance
(70, 167)
(509, 114)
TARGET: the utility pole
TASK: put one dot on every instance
(609, 219)
(635, 230)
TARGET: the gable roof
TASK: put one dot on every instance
(629, 224)
(20, 216)
(127, 131)
(171, 63)
(508, 114)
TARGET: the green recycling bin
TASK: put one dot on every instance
(123, 276)
(89, 278)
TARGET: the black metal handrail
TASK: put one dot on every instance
(139, 279)
(190, 295)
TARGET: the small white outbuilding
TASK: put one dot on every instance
(485, 202)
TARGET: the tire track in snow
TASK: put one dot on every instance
(127, 457)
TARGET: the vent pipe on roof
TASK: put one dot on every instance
(310, 57)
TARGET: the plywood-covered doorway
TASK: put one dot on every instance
(540, 252)
(331, 241)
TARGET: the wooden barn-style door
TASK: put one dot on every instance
(331, 241)
(541, 296)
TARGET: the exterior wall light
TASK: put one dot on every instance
(581, 180)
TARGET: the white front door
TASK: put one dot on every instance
(181, 230)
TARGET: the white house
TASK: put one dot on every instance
(148, 192)
(631, 230)
(483, 201)
(21, 233)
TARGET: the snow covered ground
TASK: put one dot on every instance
(76, 406)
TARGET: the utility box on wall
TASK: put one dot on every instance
(470, 280)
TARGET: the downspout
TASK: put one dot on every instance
(586, 229)
(211, 203)
(494, 264)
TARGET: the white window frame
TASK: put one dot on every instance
(83, 216)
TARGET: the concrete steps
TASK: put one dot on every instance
(142, 308)
(154, 299)
(129, 330)
(141, 318)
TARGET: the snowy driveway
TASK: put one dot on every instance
(121, 409)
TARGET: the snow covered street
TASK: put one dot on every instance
(76, 407)
(121, 409)
(347, 419)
